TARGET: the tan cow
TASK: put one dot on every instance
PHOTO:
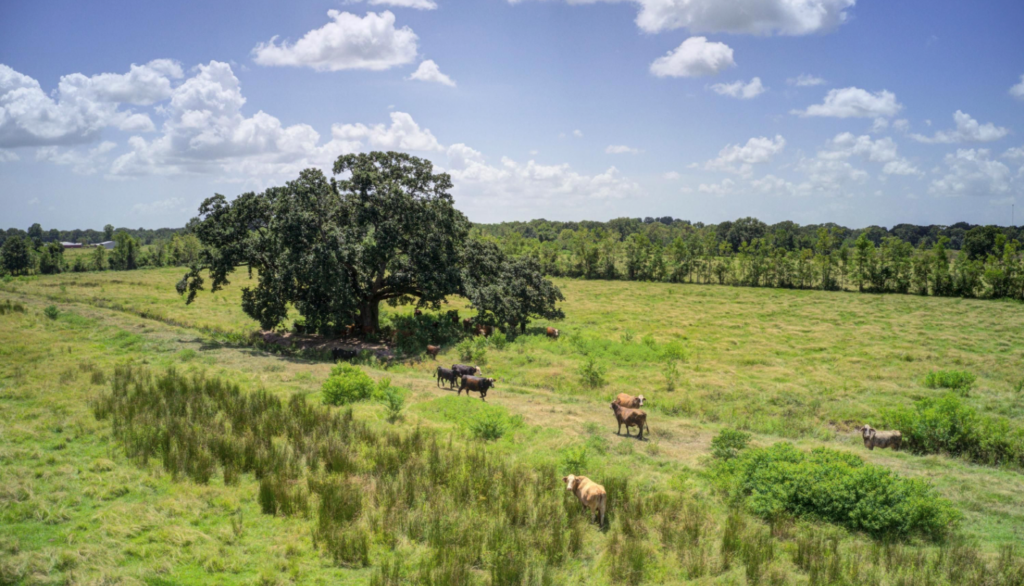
(552, 333)
(433, 350)
(591, 494)
(882, 439)
(629, 401)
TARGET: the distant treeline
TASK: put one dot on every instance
(962, 260)
(89, 236)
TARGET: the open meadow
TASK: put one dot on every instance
(454, 490)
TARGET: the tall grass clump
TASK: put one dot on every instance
(959, 381)
(9, 307)
(51, 312)
(591, 373)
(836, 487)
(948, 425)
(346, 384)
(729, 443)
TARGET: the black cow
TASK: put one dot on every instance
(343, 354)
(476, 383)
(448, 375)
(465, 370)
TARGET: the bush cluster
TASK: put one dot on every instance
(836, 487)
(959, 381)
(347, 384)
(948, 425)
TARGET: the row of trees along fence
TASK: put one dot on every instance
(988, 267)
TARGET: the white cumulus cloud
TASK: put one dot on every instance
(805, 80)
(348, 42)
(739, 159)
(621, 149)
(417, 4)
(693, 58)
(853, 102)
(883, 150)
(1017, 91)
(81, 106)
(972, 172)
(429, 71)
(738, 89)
(967, 130)
(403, 134)
(753, 17)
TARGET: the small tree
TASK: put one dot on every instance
(125, 256)
(51, 259)
(108, 232)
(507, 291)
(35, 233)
(14, 255)
(98, 259)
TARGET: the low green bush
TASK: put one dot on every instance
(836, 487)
(51, 312)
(472, 350)
(591, 373)
(393, 399)
(948, 425)
(729, 443)
(347, 384)
(960, 381)
(498, 340)
(479, 419)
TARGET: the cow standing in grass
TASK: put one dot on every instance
(476, 383)
(433, 350)
(446, 374)
(552, 333)
(880, 439)
(630, 418)
(590, 494)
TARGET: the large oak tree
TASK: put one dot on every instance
(386, 231)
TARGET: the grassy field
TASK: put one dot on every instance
(805, 367)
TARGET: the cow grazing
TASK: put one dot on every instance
(552, 333)
(476, 383)
(455, 316)
(630, 418)
(629, 401)
(343, 354)
(485, 331)
(590, 494)
(446, 374)
(417, 313)
(467, 324)
(881, 439)
(464, 369)
(433, 350)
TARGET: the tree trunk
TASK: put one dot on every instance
(369, 315)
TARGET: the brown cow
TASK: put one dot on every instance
(631, 418)
(480, 385)
(485, 331)
(590, 494)
(629, 401)
(467, 324)
(552, 333)
(417, 313)
(882, 439)
(455, 316)
(433, 350)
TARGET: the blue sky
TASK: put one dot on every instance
(847, 111)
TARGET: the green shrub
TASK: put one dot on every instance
(489, 426)
(729, 443)
(591, 373)
(393, 399)
(8, 307)
(574, 460)
(839, 488)
(960, 381)
(947, 425)
(671, 375)
(51, 312)
(498, 340)
(347, 384)
(472, 350)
